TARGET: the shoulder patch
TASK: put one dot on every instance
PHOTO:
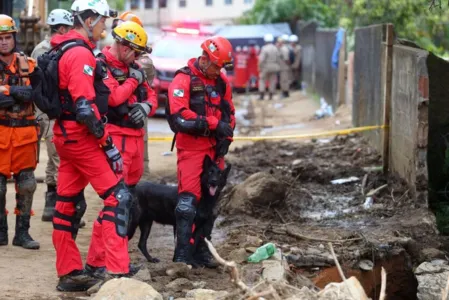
(178, 93)
(88, 70)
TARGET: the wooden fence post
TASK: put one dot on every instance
(388, 69)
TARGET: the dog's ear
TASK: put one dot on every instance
(207, 162)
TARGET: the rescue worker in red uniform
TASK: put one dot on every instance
(202, 114)
(87, 155)
(253, 65)
(131, 101)
(18, 134)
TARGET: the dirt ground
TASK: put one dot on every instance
(313, 206)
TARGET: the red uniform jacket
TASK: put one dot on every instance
(76, 74)
(181, 87)
(121, 93)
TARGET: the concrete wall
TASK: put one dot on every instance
(367, 108)
(409, 115)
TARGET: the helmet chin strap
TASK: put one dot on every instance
(89, 30)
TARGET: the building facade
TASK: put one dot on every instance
(215, 12)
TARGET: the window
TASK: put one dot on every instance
(149, 4)
(162, 3)
(134, 4)
(248, 1)
(228, 2)
(209, 2)
(182, 3)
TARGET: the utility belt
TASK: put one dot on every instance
(18, 122)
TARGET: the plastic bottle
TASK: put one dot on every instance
(262, 253)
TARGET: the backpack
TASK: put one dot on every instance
(45, 79)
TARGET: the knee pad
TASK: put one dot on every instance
(80, 208)
(26, 182)
(121, 211)
(186, 207)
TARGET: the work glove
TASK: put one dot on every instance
(222, 147)
(139, 112)
(224, 129)
(114, 157)
(137, 74)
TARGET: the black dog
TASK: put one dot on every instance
(157, 203)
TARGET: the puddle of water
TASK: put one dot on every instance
(319, 209)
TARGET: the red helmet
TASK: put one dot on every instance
(219, 50)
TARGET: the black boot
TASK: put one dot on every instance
(3, 230)
(185, 213)
(202, 255)
(3, 217)
(49, 208)
(76, 281)
(22, 238)
(270, 96)
(261, 95)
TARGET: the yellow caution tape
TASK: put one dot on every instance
(289, 137)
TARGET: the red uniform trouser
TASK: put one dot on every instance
(81, 163)
(190, 167)
(131, 149)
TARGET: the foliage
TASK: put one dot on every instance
(418, 20)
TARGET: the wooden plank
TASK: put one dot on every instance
(388, 68)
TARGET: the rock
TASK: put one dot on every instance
(203, 294)
(366, 265)
(253, 241)
(285, 247)
(251, 249)
(179, 284)
(238, 255)
(296, 162)
(340, 291)
(199, 284)
(313, 251)
(261, 189)
(178, 270)
(143, 275)
(127, 289)
(296, 250)
(432, 278)
(429, 254)
(273, 271)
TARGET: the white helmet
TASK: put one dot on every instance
(293, 38)
(245, 49)
(238, 49)
(100, 7)
(60, 16)
(268, 38)
(284, 37)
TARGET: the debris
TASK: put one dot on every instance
(178, 270)
(368, 203)
(167, 153)
(204, 294)
(238, 255)
(262, 253)
(432, 279)
(345, 180)
(375, 191)
(127, 289)
(366, 265)
(309, 261)
(273, 271)
(261, 189)
(179, 284)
